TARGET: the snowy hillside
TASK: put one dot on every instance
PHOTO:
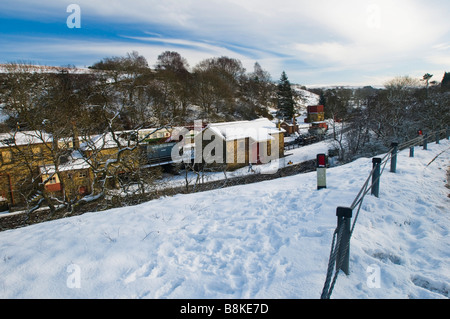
(5, 68)
(306, 98)
(265, 240)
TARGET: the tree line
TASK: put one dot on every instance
(368, 120)
(116, 94)
(216, 89)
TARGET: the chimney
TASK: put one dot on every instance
(75, 139)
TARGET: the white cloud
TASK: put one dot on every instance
(439, 55)
(376, 32)
(440, 59)
(80, 51)
(324, 35)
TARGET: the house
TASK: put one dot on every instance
(291, 127)
(21, 154)
(73, 179)
(112, 154)
(27, 159)
(239, 143)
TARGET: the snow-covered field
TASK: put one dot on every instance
(265, 240)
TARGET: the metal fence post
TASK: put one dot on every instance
(425, 141)
(344, 216)
(438, 137)
(376, 161)
(394, 157)
(321, 167)
(411, 151)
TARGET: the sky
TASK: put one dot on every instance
(317, 43)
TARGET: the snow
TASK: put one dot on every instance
(24, 138)
(265, 240)
(8, 68)
(103, 141)
(75, 162)
(3, 116)
(258, 130)
(306, 97)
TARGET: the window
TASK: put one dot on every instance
(53, 184)
(241, 145)
(82, 174)
(269, 148)
(241, 152)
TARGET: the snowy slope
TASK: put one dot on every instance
(306, 97)
(265, 240)
(6, 68)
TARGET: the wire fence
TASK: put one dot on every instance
(340, 246)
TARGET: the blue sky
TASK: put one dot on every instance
(346, 42)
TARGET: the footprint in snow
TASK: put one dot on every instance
(430, 285)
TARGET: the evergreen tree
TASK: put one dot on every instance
(445, 84)
(323, 101)
(285, 99)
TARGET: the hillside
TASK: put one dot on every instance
(265, 240)
(31, 68)
(305, 98)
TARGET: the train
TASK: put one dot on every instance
(162, 153)
(159, 153)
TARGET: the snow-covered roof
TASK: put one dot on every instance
(76, 162)
(102, 141)
(259, 130)
(24, 138)
(99, 141)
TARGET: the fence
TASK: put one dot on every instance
(340, 246)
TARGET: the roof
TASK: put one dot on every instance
(288, 123)
(259, 130)
(24, 138)
(103, 141)
(75, 162)
(97, 142)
